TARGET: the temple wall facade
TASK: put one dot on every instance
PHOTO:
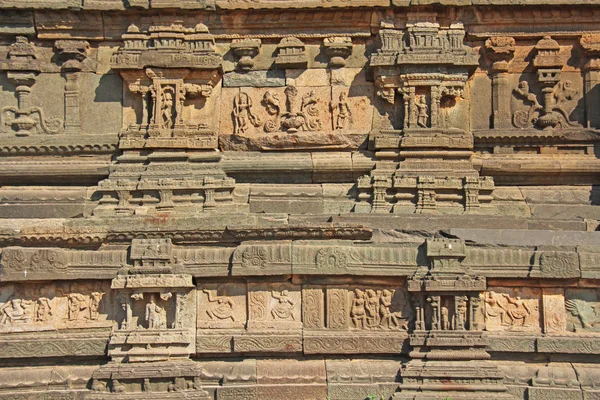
(299, 199)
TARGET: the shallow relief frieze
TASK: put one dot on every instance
(55, 306)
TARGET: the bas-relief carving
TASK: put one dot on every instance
(583, 310)
(380, 309)
(171, 71)
(274, 306)
(514, 310)
(222, 306)
(23, 67)
(39, 307)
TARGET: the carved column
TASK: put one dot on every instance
(73, 53)
(500, 50)
(591, 75)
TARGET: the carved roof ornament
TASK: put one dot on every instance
(338, 48)
(22, 57)
(291, 53)
(547, 56)
(500, 50)
(173, 46)
(72, 53)
(590, 43)
(246, 49)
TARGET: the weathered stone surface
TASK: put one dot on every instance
(299, 199)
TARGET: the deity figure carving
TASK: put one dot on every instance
(358, 312)
(17, 310)
(221, 307)
(293, 118)
(167, 107)
(344, 113)
(390, 319)
(284, 306)
(154, 315)
(445, 320)
(242, 113)
(422, 111)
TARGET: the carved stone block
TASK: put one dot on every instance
(274, 306)
(514, 310)
(222, 306)
(582, 310)
(555, 319)
(262, 259)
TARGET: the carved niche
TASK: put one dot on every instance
(426, 66)
(170, 71)
(158, 306)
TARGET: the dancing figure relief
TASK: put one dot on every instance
(506, 312)
(221, 307)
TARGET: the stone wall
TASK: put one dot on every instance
(299, 199)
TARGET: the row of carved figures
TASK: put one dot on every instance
(41, 307)
(369, 309)
(288, 115)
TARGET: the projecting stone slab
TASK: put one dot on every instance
(270, 78)
(526, 237)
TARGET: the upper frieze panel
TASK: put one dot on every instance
(267, 4)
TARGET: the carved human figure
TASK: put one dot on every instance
(517, 311)
(521, 118)
(95, 298)
(16, 310)
(445, 318)
(146, 386)
(461, 313)
(221, 307)
(167, 108)
(372, 308)
(44, 307)
(284, 306)
(344, 114)
(388, 318)
(494, 308)
(357, 312)
(77, 303)
(242, 113)
(422, 111)
(153, 314)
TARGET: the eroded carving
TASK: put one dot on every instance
(512, 309)
(22, 69)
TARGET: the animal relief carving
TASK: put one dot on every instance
(583, 310)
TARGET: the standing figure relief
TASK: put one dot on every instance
(376, 309)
